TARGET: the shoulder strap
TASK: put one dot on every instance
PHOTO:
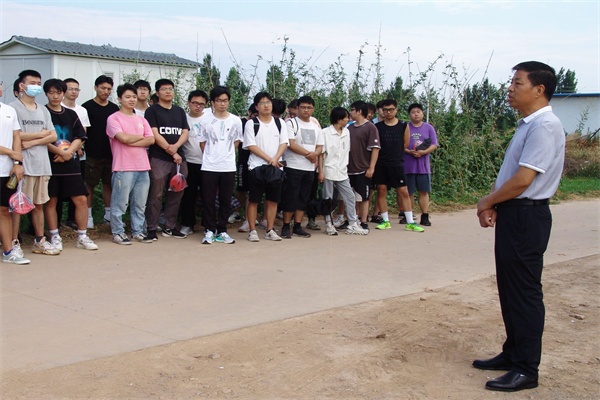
(256, 125)
(278, 123)
(296, 126)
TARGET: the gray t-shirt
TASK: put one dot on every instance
(36, 161)
(538, 144)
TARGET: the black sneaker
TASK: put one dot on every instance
(402, 220)
(365, 226)
(173, 233)
(377, 219)
(343, 226)
(286, 233)
(298, 231)
(150, 237)
(425, 220)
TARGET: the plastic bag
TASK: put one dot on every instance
(178, 182)
(19, 202)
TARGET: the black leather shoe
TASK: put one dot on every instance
(511, 382)
(497, 363)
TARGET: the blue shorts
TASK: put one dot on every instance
(418, 182)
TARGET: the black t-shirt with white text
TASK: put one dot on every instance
(392, 144)
(98, 145)
(170, 124)
(68, 128)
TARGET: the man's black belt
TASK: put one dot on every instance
(523, 202)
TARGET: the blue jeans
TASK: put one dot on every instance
(128, 188)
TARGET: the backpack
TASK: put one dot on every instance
(257, 125)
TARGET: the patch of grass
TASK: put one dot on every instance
(578, 188)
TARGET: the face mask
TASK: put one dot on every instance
(33, 90)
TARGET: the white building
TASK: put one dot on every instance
(85, 62)
(577, 111)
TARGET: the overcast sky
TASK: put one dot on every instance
(469, 34)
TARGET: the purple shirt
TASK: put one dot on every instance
(418, 135)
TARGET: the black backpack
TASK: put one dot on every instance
(257, 125)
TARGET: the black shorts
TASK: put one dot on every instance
(5, 192)
(296, 189)
(257, 189)
(392, 177)
(242, 170)
(67, 186)
(97, 169)
(361, 184)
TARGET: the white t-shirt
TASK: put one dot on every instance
(81, 113)
(307, 135)
(220, 136)
(191, 148)
(336, 150)
(36, 161)
(268, 140)
(9, 123)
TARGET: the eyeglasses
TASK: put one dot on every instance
(222, 101)
(264, 103)
(72, 89)
(143, 89)
(307, 108)
(195, 103)
(167, 89)
(388, 110)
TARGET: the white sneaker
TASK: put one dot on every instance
(272, 235)
(186, 230)
(14, 258)
(234, 217)
(339, 221)
(44, 247)
(223, 237)
(263, 224)
(355, 229)
(90, 222)
(16, 246)
(139, 237)
(56, 241)
(121, 238)
(253, 236)
(245, 227)
(330, 230)
(84, 242)
(208, 238)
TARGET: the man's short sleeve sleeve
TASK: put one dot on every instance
(289, 128)
(373, 141)
(113, 126)
(150, 116)
(249, 137)
(283, 135)
(538, 149)
(147, 129)
(48, 119)
(202, 131)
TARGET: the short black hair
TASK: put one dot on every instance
(142, 83)
(371, 107)
(338, 113)
(197, 93)
(415, 105)
(121, 89)
(379, 104)
(71, 80)
(261, 95)
(293, 104)
(154, 98)
(16, 87)
(163, 82)
(56, 84)
(252, 109)
(360, 106)
(218, 91)
(104, 79)
(389, 102)
(539, 73)
(306, 100)
(28, 72)
(278, 106)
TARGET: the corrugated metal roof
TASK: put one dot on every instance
(105, 51)
(576, 95)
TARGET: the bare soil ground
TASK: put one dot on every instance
(413, 347)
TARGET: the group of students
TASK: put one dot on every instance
(136, 149)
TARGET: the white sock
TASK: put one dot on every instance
(385, 216)
(409, 217)
(81, 233)
(107, 212)
(90, 213)
(53, 232)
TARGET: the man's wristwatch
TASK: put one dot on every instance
(18, 162)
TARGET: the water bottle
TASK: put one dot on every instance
(12, 182)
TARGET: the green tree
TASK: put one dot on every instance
(566, 81)
(208, 75)
(239, 92)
